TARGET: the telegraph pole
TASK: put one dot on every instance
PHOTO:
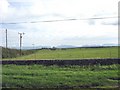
(34, 50)
(6, 38)
(21, 41)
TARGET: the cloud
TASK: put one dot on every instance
(68, 8)
(56, 33)
(95, 40)
(110, 23)
(3, 8)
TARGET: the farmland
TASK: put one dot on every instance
(69, 54)
(38, 76)
(63, 76)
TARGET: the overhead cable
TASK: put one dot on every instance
(70, 19)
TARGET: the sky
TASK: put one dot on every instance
(28, 16)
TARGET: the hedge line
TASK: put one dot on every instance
(81, 62)
(12, 53)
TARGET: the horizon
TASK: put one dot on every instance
(61, 46)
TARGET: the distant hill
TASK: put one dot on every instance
(110, 44)
(35, 47)
(66, 46)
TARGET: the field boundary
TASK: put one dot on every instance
(80, 62)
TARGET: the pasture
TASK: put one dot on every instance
(69, 54)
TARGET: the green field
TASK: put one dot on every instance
(38, 76)
(75, 53)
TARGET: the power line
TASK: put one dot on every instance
(70, 19)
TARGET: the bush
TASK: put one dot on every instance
(12, 53)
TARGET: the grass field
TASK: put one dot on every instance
(76, 53)
(38, 76)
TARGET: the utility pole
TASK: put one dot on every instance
(21, 41)
(34, 50)
(6, 38)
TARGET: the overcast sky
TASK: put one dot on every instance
(74, 32)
